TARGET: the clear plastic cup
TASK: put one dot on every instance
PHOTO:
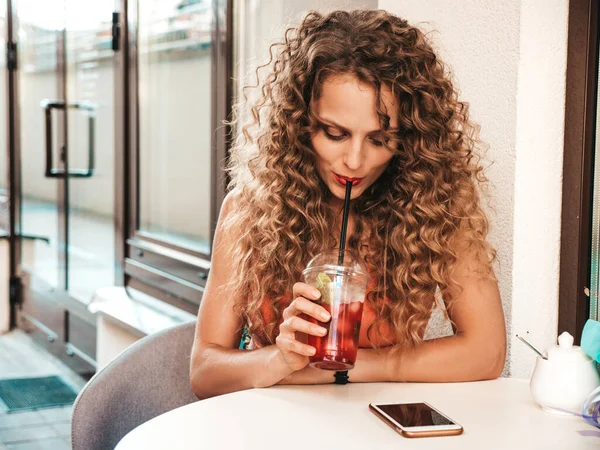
(343, 289)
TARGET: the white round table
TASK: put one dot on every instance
(495, 414)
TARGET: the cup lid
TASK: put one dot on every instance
(328, 260)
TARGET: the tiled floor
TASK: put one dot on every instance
(46, 429)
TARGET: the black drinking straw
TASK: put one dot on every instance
(341, 377)
(345, 222)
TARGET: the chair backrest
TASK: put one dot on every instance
(149, 378)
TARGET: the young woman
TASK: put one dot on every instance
(357, 96)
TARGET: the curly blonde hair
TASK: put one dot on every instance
(423, 205)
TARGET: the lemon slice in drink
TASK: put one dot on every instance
(323, 285)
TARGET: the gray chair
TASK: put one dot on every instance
(149, 378)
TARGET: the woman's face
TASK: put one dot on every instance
(349, 143)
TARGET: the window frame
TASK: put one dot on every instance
(173, 273)
(578, 165)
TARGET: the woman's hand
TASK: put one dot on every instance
(294, 352)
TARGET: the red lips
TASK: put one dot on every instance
(342, 180)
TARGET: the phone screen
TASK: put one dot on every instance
(415, 415)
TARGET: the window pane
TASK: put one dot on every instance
(91, 200)
(595, 252)
(260, 23)
(39, 32)
(174, 82)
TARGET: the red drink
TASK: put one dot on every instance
(337, 349)
(342, 287)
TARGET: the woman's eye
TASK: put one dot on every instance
(377, 142)
(333, 137)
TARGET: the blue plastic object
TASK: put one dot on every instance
(590, 339)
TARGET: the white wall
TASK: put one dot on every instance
(538, 176)
(509, 61)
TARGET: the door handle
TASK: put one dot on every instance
(51, 172)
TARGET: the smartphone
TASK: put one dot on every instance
(416, 419)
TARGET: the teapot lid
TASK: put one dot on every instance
(565, 340)
(566, 351)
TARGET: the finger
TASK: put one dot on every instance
(296, 323)
(294, 346)
(306, 291)
(302, 305)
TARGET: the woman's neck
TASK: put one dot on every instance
(336, 204)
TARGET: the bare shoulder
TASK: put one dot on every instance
(224, 232)
(474, 257)
(218, 322)
(231, 199)
(230, 203)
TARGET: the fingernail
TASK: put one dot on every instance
(322, 331)
(316, 293)
(325, 316)
(312, 351)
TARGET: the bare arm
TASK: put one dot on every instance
(217, 365)
(476, 352)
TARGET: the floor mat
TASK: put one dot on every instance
(26, 394)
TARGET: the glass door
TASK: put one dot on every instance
(90, 90)
(6, 268)
(40, 36)
(66, 196)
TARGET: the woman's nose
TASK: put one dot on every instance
(354, 155)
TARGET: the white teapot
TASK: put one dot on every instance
(563, 381)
